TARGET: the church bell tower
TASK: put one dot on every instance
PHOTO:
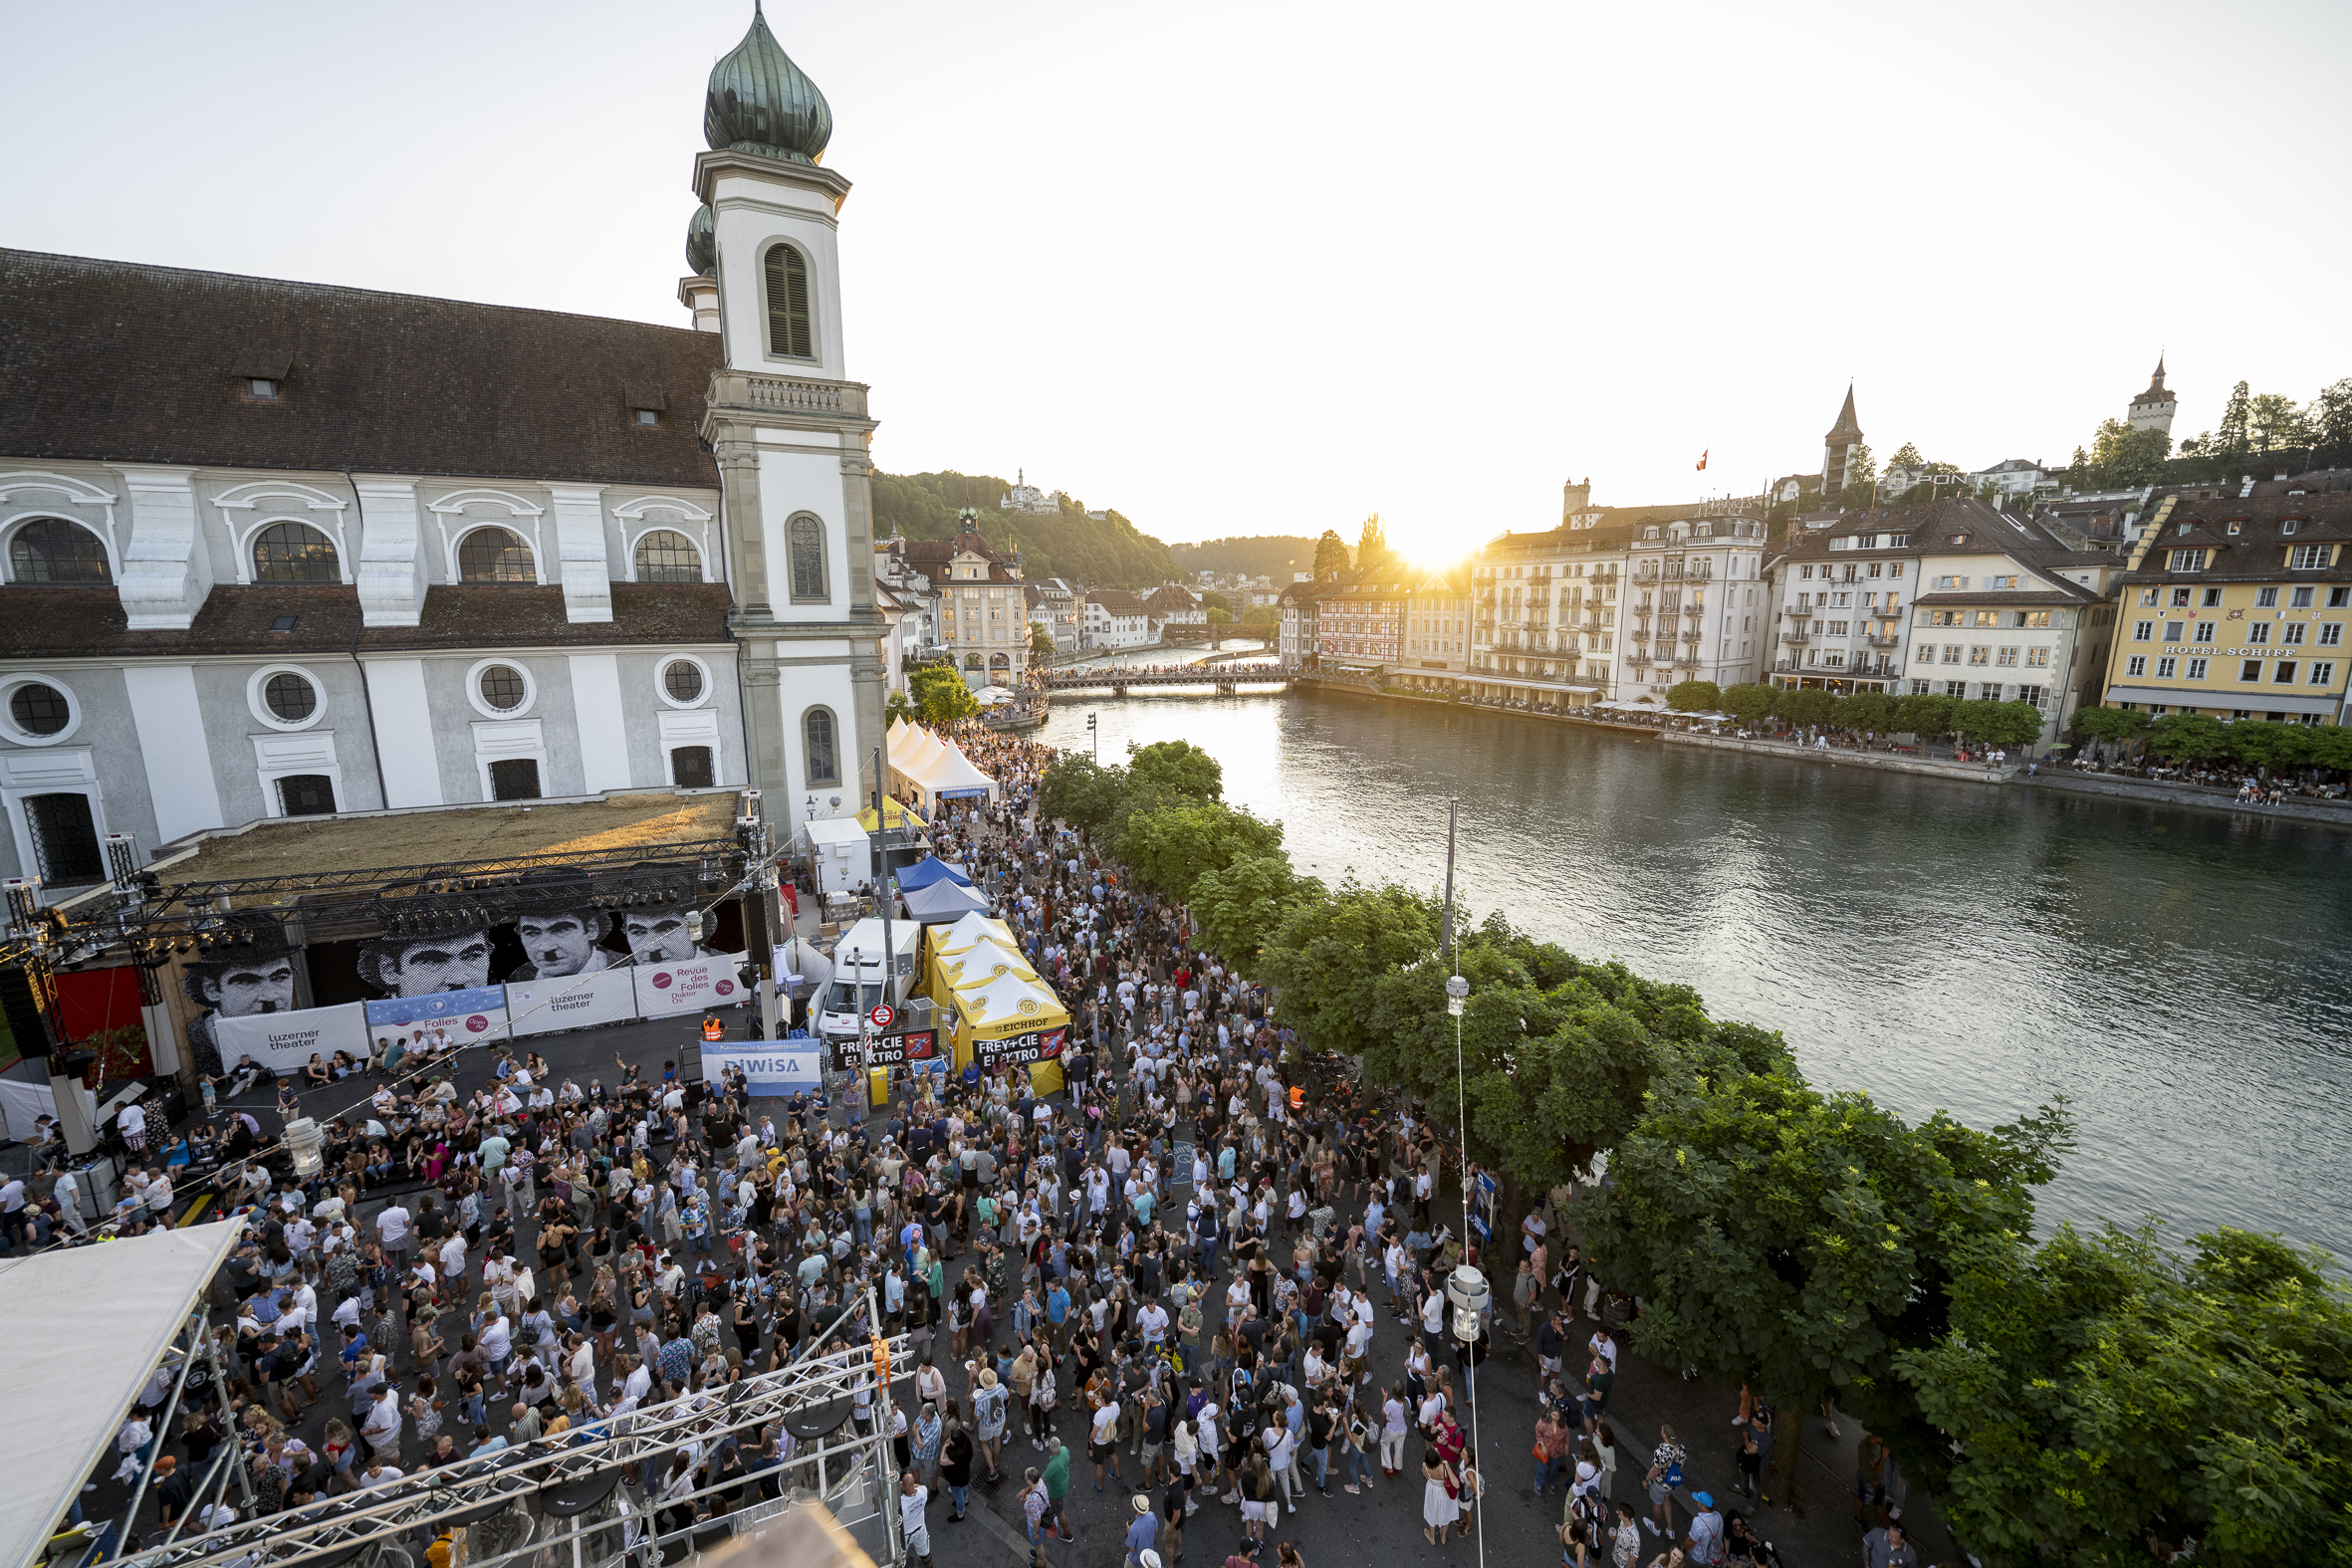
(1837, 446)
(789, 431)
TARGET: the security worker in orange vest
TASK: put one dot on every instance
(712, 1028)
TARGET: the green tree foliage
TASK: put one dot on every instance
(2108, 724)
(1212, 599)
(1080, 790)
(1924, 713)
(940, 695)
(1331, 555)
(1170, 846)
(1872, 711)
(1989, 721)
(1262, 615)
(2275, 424)
(1372, 553)
(1803, 705)
(1906, 456)
(1218, 616)
(2121, 456)
(1239, 906)
(2330, 418)
(1747, 701)
(898, 708)
(2273, 746)
(1327, 956)
(1109, 553)
(1693, 696)
(2234, 437)
(1272, 555)
(2188, 736)
(1175, 768)
(1040, 638)
(2111, 1396)
(1861, 469)
(1798, 1242)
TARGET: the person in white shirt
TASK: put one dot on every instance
(392, 1231)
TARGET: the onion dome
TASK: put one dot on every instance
(702, 252)
(759, 102)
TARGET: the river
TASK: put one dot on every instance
(2181, 974)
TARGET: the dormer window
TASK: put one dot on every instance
(2235, 526)
(260, 390)
(645, 418)
(2286, 526)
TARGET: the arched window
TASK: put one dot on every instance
(494, 555)
(787, 303)
(51, 550)
(804, 542)
(824, 765)
(292, 552)
(667, 556)
(971, 661)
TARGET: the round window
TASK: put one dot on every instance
(38, 708)
(502, 687)
(291, 698)
(682, 680)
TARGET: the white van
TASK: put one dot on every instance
(856, 988)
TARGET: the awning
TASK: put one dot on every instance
(1533, 686)
(941, 903)
(86, 1327)
(926, 871)
(2252, 698)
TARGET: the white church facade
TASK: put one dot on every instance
(274, 549)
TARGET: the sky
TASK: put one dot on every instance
(1250, 268)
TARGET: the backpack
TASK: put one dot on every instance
(1673, 1471)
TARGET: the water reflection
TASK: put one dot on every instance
(1938, 944)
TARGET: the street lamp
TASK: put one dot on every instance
(1467, 1290)
(1457, 993)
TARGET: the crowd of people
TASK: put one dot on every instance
(1195, 1263)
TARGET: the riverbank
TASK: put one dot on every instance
(1886, 762)
(2205, 797)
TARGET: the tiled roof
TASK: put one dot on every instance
(2020, 598)
(127, 363)
(88, 623)
(1118, 601)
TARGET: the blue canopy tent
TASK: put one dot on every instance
(928, 871)
(942, 903)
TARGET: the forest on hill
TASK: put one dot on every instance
(1111, 553)
(1275, 556)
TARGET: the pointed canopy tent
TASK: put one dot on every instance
(981, 963)
(941, 944)
(1011, 1019)
(941, 903)
(928, 871)
(951, 777)
(909, 754)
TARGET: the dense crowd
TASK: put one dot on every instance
(1184, 1264)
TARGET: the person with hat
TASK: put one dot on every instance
(1143, 1532)
(1704, 1544)
(562, 933)
(457, 959)
(252, 975)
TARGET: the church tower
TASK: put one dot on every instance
(789, 431)
(2153, 409)
(1843, 437)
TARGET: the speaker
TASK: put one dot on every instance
(28, 1021)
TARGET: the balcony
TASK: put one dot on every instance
(1796, 638)
(1890, 613)
(1697, 571)
(780, 394)
(1693, 637)
(1647, 571)
(1882, 639)
(1804, 610)
(1686, 661)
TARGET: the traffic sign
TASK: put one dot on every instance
(881, 1015)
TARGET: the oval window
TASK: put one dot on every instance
(502, 687)
(682, 680)
(38, 708)
(291, 698)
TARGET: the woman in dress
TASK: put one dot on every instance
(1438, 1509)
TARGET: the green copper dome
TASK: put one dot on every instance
(702, 252)
(760, 101)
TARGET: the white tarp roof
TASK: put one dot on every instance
(84, 1327)
(836, 831)
(952, 769)
(975, 927)
(914, 751)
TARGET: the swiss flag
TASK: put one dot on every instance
(1702, 457)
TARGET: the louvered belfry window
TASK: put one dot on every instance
(787, 303)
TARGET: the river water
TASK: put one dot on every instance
(2181, 974)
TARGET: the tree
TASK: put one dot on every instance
(1989, 721)
(1169, 847)
(1327, 956)
(2330, 419)
(1861, 467)
(1748, 702)
(1262, 615)
(2273, 746)
(2109, 724)
(1798, 1242)
(1040, 639)
(2275, 424)
(1924, 713)
(1217, 602)
(1331, 555)
(940, 695)
(1693, 696)
(1175, 768)
(2107, 1393)
(1080, 790)
(898, 708)
(2234, 437)
(1864, 710)
(2121, 456)
(1238, 907)
(1803, 705)
(1219, 618)
(2188, 736)
(1906, 456)
(1372, 553)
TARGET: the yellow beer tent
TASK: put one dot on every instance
(942, 943)
(1009, 1014)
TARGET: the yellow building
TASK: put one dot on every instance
(2234, 605)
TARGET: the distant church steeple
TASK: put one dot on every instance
(2153, 409)
(1843, 437)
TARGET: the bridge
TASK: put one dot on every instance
(1119, 681)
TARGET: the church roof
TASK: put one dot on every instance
(1847, 424)
(127, 362)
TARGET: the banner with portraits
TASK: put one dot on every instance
(468, 1017)
(688, 987)
(284, 1041)
(542, 1006)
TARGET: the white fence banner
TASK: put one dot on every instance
(283, 1041)
(541, 1007)
(775, 1069)
(688, 987)
(472, 1018)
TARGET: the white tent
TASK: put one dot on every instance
(842, 852)
(983, 962)
(912, 754)
(952, 777)
(86, 1327)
